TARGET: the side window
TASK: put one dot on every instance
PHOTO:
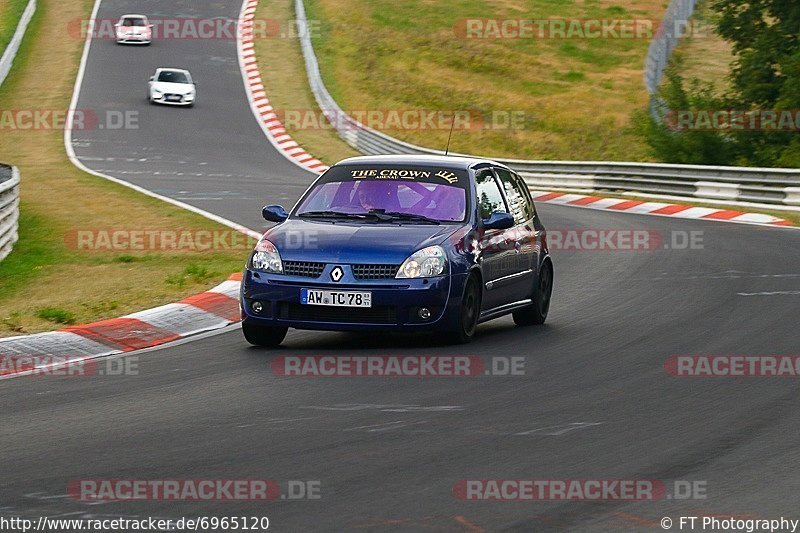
(489, 197)
(528, 198)
(517, 196)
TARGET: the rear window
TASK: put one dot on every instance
(437, 193)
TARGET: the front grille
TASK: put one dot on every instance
(375, 271)
(305, 269)
(380, 314)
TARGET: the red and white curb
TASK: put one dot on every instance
(213, 309)
(657, 208)
(259, 103)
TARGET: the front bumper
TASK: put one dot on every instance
(185, 100)
(395, 302)
(133, 39)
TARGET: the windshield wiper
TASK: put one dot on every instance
(332, 214)
(396, 215)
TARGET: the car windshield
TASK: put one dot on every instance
(138, 22)
(171, 76)
(406, 199)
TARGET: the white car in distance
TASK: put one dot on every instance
(134, 29)
(172, 86)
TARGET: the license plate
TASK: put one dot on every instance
(173, 98)
(335, 298)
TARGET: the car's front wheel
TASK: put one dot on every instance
(264, 336)
(469, 312)
(536, 313)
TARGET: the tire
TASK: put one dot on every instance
(264, 336)
(536, 313)
(469, 312)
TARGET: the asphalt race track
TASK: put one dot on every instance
(213, 156)
(594, 402)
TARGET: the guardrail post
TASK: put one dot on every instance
(717, 191)
(9, 209)
(792, 196)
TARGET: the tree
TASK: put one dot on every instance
(765, 76)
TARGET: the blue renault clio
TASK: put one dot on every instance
(400, 243)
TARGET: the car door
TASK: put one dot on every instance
(521, 263)
(493, 252)
(534, 245)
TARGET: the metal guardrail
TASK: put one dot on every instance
(9, 208)
(732, 184)
(7, 60)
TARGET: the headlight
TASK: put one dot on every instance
(425, 263)
(156, 92)
(266, 258)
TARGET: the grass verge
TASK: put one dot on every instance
(10, 13)
(577, 95)
(48, 280)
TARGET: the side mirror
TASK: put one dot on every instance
(152, 78)
(499, 220)
(274, 213)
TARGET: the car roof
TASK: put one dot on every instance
(133, 16)
(449, 161)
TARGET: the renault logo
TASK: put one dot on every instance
(337, 273)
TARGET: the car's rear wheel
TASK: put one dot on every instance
(536, 313)
(264, 336)
(469, 312)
